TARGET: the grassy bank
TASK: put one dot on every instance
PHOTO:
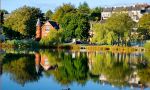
(24, 44)
(19, 44)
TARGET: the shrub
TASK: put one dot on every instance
(147, 45)
(26, 43)
(53, 38)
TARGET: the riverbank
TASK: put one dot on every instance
(103, 48)
(31, 44)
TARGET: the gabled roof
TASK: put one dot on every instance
(54, 24)
(108, 9)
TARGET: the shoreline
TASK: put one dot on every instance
(78, 47)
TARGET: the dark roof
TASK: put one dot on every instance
(54, 24)
(136, 7)
(128, 8)
(107, 9)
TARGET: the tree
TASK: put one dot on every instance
(75, 26)
(82, 31)
(23, 20)
(2, 12)
(121, 24)
(96, 14)
(61, 11)
(54, 37)
(144, 26)
(102, 35)
(49, 14)
(84, 8)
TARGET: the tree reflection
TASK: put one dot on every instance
(67, 67)
(144, 69)
(70, 69)
(21, 67)
(113, 67)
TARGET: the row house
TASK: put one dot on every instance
(135, 11)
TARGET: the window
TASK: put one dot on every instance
(47, 28)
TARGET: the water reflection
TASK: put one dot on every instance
(115, 69)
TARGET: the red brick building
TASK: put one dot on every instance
(42, 30)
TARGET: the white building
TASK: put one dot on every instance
(135, 11)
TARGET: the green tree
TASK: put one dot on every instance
(82, 31)
(61, 11)
(75, 26)
(95, 14)
(101, 34)
(23, 20)
(53, 38)
(84, 8)
(121, 24)
(2, 12)
(144, 26)
(49, 14)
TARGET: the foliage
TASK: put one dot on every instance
(22, 44)
(147, 45)
(121, 25)
(23, 20)
(144, 25)
(49, 14)
(75, 26)
(84, 8)
(61, 11)
(102, 35)
(95, 14)
(72, 69)
(116, 30)
(53, 38)
(2, 13)
(20, 69)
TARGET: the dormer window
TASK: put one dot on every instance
(47, 28)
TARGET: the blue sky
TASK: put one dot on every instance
(44, 5)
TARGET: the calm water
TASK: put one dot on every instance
(70, 70)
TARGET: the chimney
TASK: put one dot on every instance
(38, 30)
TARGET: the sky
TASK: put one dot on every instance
(45, 5)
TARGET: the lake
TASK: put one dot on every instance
(74, 70)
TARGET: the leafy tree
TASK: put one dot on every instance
(61, 11)
(84, 8)
(2, 12)
(49, 14)
(53, 37)
(75, 26)
(96, 14)
(23, 20)
(82, 31)
(144, 26)
(101, 34)
(121, 24)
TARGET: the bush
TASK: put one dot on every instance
(22, 43)
(53, 38)
(147, 45)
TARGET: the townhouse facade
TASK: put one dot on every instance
(134, 11)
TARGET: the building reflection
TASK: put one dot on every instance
(42, 60)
